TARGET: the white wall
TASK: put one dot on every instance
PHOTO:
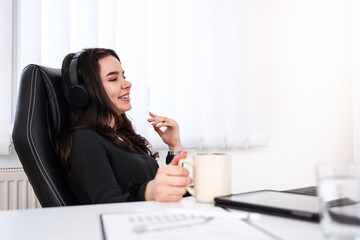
(311, 103)
(312, 111)
(356, 76)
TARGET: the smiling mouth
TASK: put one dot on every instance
(124, 97)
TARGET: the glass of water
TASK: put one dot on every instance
(339, 196)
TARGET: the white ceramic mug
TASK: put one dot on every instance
(212, 176)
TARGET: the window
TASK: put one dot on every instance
(7, 72)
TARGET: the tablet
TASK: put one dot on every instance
(285, 204)
(347, 213)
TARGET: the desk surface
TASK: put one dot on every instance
(83, 222)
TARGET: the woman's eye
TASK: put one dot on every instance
(113, 79)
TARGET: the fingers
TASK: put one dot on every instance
(163, 193)
(169, 184)
(177, 158)
(179, 181)
(158, 130)
(152, 114)
(153, 117)
(170, 197)
(168, 130)
(174, 181)
(173, 170)
(168, 193)
(160, 121)
(157, 119)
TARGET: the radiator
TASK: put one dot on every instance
(15, 190)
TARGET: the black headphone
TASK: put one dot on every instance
(78, 94)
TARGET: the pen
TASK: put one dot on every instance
(166, 225)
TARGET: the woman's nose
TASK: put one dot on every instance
(126, 84)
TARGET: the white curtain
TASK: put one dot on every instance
(204, 63)
(6, 59)
(210, 64)
(209, 69)
(356, 77)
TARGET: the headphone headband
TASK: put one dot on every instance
(79, 96)
(73, 68)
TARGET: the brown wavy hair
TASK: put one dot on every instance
(97, 114)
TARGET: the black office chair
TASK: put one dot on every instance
(41, 113)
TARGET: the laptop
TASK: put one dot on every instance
(300, 203)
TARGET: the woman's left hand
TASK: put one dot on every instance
(170, 135)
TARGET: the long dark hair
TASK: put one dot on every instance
(97, 114)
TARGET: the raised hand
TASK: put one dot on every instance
(170, 135)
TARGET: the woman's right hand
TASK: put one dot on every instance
(169, 184)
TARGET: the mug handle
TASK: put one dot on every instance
(191, 162)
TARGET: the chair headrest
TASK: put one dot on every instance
(41, 113)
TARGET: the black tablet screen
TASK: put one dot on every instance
(280, 200)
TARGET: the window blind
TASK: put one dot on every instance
(195, 61)
(6, 70)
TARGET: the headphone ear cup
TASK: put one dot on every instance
(79, 95)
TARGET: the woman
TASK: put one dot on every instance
(106, 160)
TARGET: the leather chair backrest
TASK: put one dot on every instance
(41, 113)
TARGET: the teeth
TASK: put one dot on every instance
(124, 97)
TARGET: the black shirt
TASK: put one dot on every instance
(102, 172)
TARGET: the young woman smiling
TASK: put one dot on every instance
(105, 159)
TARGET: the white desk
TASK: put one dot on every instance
(83, 222)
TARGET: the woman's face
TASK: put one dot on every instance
(115, 85)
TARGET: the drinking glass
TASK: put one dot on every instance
(339, 196)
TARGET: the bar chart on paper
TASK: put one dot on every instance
(158, 222)
(162, 225)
